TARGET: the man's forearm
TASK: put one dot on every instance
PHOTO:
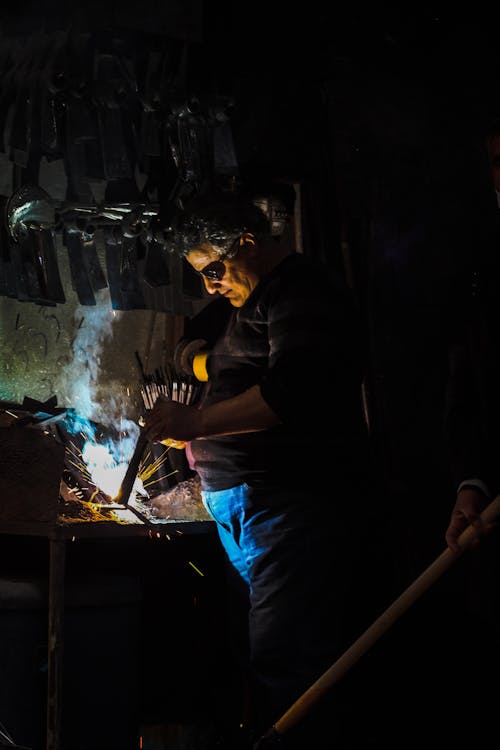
(247, 412)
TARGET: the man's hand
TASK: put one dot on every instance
(469, 504)
(171, 420)
(247, 412)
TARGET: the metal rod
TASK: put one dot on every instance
(123, 495)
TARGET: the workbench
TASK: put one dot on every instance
(31, 466)
(58, 536)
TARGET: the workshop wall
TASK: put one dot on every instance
(86, 356)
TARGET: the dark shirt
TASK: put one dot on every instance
(298, 335)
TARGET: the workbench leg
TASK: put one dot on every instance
(55, 642)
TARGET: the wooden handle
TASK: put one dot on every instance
(383, 623)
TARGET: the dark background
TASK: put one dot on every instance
(381, 117)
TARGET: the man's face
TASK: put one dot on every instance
(233, 278)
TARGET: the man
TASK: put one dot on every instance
(280, 444)
(468, 422)
(472, 417)
(473, 403)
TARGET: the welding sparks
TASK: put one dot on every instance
(106, 473)
(98, 465)
(195, 568)
(150, 467)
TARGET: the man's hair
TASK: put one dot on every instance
(220, 218)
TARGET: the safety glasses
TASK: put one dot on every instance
(217, 268)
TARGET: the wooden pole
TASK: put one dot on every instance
(344, 663)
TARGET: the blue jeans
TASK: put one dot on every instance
(293, 555)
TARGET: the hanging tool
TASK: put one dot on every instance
(349, 658)
(72, 240)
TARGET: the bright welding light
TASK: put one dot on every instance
(106, 473)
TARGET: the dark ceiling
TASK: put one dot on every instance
(374, 111)
(284, 63)
(282, 60)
